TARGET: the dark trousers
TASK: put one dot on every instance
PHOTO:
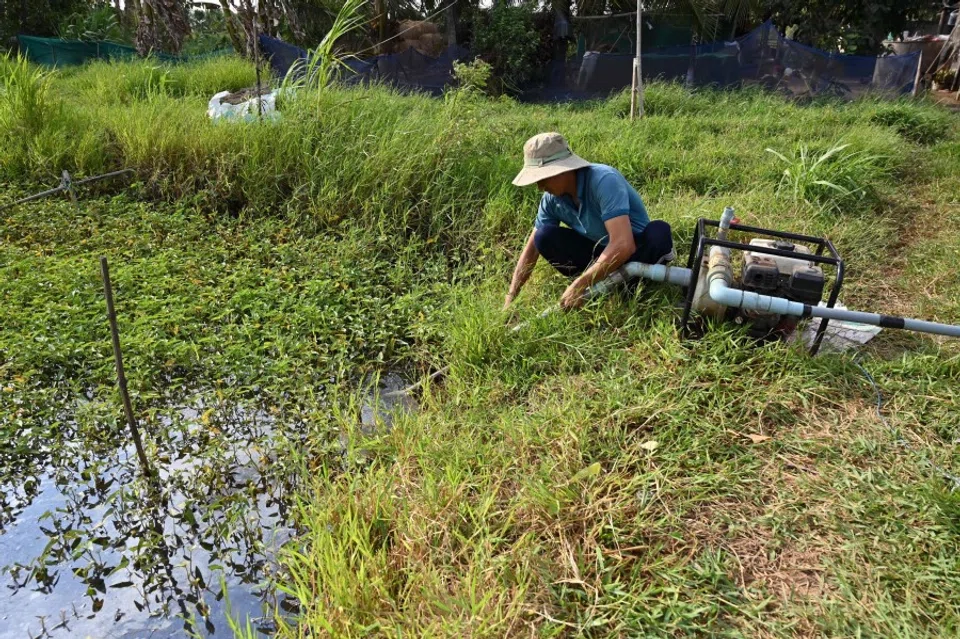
(571, 253)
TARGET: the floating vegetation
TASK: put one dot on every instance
(210, 531)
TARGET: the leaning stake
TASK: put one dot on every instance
(121, 378)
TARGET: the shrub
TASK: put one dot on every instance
(507, 37)
(473, 76)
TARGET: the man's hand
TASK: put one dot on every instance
(573, 296)
(620, 247)
(528, 258)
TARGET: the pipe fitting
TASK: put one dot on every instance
(725, 221)
(719, 265)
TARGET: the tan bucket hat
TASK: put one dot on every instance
(544, 156)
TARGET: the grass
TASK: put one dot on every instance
(850, 185)
(591, 475)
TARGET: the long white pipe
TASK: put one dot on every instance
(722, 293)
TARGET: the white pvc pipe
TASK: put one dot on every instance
(725, 221)
(631, 270)
(721, 293)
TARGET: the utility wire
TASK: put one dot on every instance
(946, 474)
(645, 12)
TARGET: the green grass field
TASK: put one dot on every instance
(591, 475)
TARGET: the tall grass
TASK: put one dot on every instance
(835, 180)
(114, 83)
(28, 110)
(25, 102)
(442, 169)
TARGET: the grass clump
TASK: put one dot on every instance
(835, 180)
(923, 126)
(26, 107)
(115, 83)
(29, 113)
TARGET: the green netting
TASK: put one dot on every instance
(56, 52)
(617, 33)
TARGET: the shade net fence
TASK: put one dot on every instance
(762, 58)
(408, 70)
(55, 52)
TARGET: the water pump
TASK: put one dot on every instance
(782, 279)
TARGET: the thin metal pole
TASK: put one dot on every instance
(31, 198)
(916, 80)
(121, 378)
(63, 187)
(633, 69)
(256, 57)
(636, 84)
(639, 59)
(102, 177)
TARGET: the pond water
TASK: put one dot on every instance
(88, 548)
(94, 551)
(63, 606)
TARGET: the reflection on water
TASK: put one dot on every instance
(88, 548)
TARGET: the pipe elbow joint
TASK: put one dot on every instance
(721, 293)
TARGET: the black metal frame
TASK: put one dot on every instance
(701, 241)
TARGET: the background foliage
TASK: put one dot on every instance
(502, 33)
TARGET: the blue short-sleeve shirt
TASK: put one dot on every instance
(604, 194)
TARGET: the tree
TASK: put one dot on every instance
(856, 26)
(451, 20)
(233, 28)
(36, 17)
(506, 37)
(304, 22)
(162, 26)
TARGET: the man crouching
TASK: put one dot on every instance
(606, 223)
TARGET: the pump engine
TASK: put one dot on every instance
(793, 278)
